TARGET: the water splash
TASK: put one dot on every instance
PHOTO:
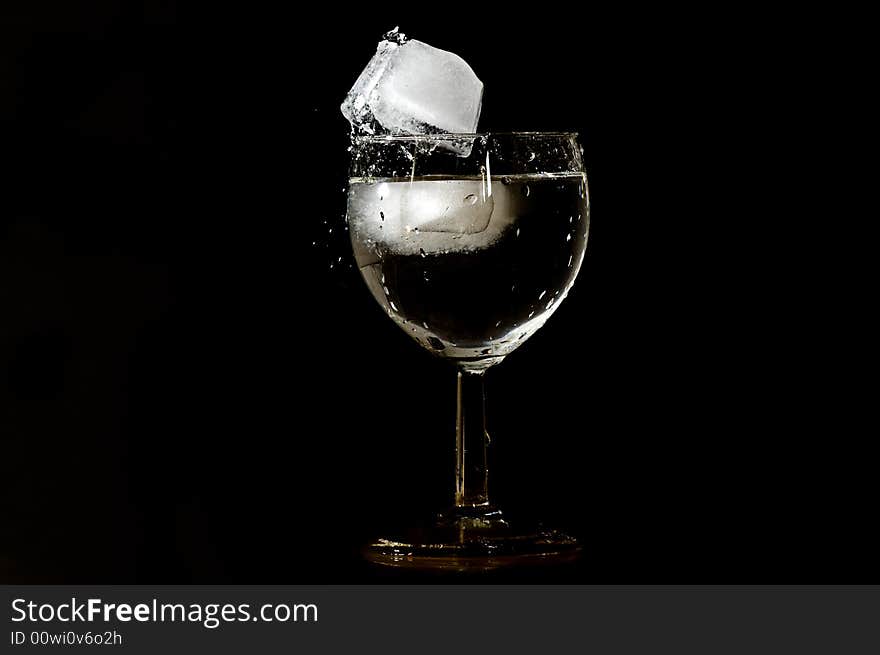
(395, 36)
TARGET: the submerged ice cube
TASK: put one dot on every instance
(414, 88)
(430, 216)
(454, 207)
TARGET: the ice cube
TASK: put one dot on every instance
(356, 107)
(430, 217)
(414, 88)
(452, 206)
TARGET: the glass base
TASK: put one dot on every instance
(473, 539)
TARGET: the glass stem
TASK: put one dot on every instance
(471, 440)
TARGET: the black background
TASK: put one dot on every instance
(190, 393)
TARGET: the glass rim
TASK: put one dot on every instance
(447, 136)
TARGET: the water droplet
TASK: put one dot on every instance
(436, 344)
(393, 306)
(339, 260)
(471, 199)
(425, 275)
(571, 219)
(568, 237)
(570, 258)
(330, 231)
(531, 156)
(383, 278)
(387, 292)
(543, 293)
(314, 243)
(526, 190)
(425, 325)
(498, 324)
(422, 252)
(505, 180)
(382, 215)
(550, 304)
(517, 232)
(531, 313)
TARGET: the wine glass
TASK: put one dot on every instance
(469, 242)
